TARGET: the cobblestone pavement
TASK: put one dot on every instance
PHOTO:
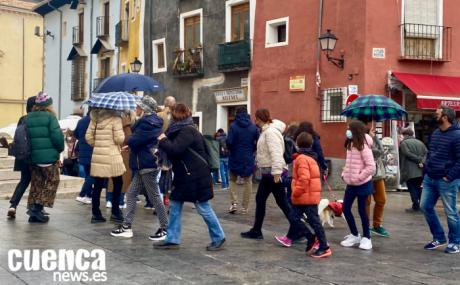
(399, 259)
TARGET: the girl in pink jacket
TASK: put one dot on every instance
(358, 171)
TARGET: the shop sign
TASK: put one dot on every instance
(378, 53)
(244, 82)
(297, 83)
(230, 95)
(352, 89)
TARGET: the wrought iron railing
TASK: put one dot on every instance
(426, 42)
(77, 35)
(234, 56)
(188, 63)
(102, 26)
(332, 104)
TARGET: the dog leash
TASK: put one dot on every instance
(332, 195)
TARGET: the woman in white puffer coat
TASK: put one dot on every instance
(270, 161)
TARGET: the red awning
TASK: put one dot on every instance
(432, 90)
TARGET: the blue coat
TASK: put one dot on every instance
(316, 147)
(144, 137)
(241, 143)
(84, 150)
(444, 154)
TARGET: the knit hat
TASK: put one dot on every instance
(43, 99)
(148, 104)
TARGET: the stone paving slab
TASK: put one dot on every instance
(399, 259)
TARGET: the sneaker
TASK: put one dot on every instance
(87, 200)
(452, 248)
(80, 199)
(138, 200)
(216, 245)
(108, 204)
(233, 209)
(350, 240)
(166, 245)
(148, 207)
(365, 243)
(97, 219)
(311, 243)
(320, 253)
(11, 213)
(434, 244)
(159, 235)
(122, 231)
(284, 241)
(380, 231)
(251, 234)
(123, 206)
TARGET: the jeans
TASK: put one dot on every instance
(414, 186)
(433, 189)
(109, 195)
(215, 176)
(298, 229)
(98, 184)
(26, 177)
(87, 188)
(266, 187)
(351, 193)
(204, 209)
(224, 172)
(380, 198)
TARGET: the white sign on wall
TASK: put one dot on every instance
(352, 89)
(230, 95)
(378, 53)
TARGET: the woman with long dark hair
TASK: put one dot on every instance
(357, 174)
(308, 128)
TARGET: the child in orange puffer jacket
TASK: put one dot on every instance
(306, 194)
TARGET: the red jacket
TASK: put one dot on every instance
(306, 181)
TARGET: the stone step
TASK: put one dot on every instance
(69, 187)
(3, 152)
(9, 174)
(7, 162)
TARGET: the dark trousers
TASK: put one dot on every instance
(348, 200)
(298, 229)
(287, 184)
(24, 182)
(267, 186)
(96, 199)
(414, 186)
(87, 188)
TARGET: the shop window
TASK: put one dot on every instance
(332, 104)
(277, 32)
(159, 55)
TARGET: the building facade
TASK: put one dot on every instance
(21, 58)
(201, 51)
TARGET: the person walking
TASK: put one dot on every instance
(46, 142)
(105, 134)
(192, 182)
(378, 181)
(23, 165)
(143, 163)
(442, 180)
(221, 138)
(241, 143)
(84, 152)
(357, 174)
(306, 194)
(308, 127)
(270, 160)
(290, 150)
(412, 156)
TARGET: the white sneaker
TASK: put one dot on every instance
(350, 240)
(122, 231)
(108, 205)
(87, 200)
(365, 243)
(80, 199)
(123, 206)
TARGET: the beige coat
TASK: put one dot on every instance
(105, 134)
(270, 147)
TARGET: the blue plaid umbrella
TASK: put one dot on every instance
(114, 100)
(374, 108)
(129, 82)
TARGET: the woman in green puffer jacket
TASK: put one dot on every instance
(47, 142)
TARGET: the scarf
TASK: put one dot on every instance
(178, 125)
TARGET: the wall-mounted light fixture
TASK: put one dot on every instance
(47, 33)
(136, 65)
(327, 42)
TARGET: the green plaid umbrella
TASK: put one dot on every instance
(374, 108)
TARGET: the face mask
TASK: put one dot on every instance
(349, 134)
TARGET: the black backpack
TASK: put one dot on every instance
(289, 150)
(21, 142)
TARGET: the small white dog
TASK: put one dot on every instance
(326, 214)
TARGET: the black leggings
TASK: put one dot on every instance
(350, 196)
(266, 187)
(98, 184)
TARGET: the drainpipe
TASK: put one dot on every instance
(60, 58)
(90, 54)
(23, 60)
(318, 46)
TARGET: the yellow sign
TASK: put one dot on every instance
(297, 83)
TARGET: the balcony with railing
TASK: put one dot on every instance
(234, 56)
(426, 42)
(102, 26)
(121, 32)
(188, 63)
(77, 36)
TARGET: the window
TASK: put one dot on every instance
(332, 104)
(192, 32)
(159, 55)
(240, 22)
(104, 70)
(81, 27)
(277, 32)
(78, 79)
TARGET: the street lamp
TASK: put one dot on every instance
(136, 65)
(327, 42)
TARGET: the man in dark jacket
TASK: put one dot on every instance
(241, 143)
(84, 152)
(442, 180)
(23, 166)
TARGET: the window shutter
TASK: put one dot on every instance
(421, 12)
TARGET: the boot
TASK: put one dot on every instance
(36, 215)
